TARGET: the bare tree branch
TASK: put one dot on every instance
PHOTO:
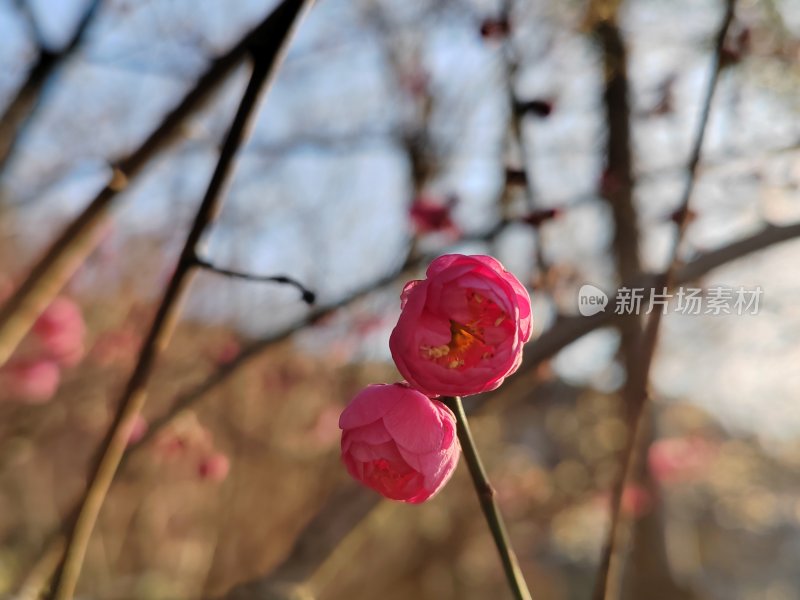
(70, 249)
(28, 98)
(347, 506)
(618, 177)
(267, 52)
(617, 183)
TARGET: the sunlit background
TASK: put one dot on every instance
(390, 136)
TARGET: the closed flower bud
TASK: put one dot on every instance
(399, 442)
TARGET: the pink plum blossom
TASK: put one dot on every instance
(228, 352)
(60, 331)
(429, 215)
(214, 468)
(138, 428)
(184, 437)
(635, 503)
(680, 458)
(32, 381)
(461, 330)
(399, 442)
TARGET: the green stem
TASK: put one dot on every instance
(486, 496)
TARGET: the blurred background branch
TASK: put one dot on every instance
(23, 106)
(609, 581)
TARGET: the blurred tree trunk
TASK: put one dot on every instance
(648, 574)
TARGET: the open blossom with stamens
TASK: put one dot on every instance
(399, 442)
(461, 330)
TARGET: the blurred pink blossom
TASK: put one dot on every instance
(184, 437)
(495, 28)
(138, 429)
(32, 381)
(214, 468)
(637, 501)
(680, 458)
(430, 215)
(228, 352)
(60, 331)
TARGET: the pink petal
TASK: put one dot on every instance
(407, 289)
(374, 433)
(415, 424)
(368, 452)
(369, 405)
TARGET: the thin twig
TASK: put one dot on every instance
(486, 497)
(347, 506)
(70, 249)
(610, 574)
(267, 56)
(307, 295)
(22, 107)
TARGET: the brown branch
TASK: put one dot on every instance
(618, 190)
(70, 249)
(610, 573)
(350, 505)
(22, 107)
(347, 506)
(267, 53)
(617, 183)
